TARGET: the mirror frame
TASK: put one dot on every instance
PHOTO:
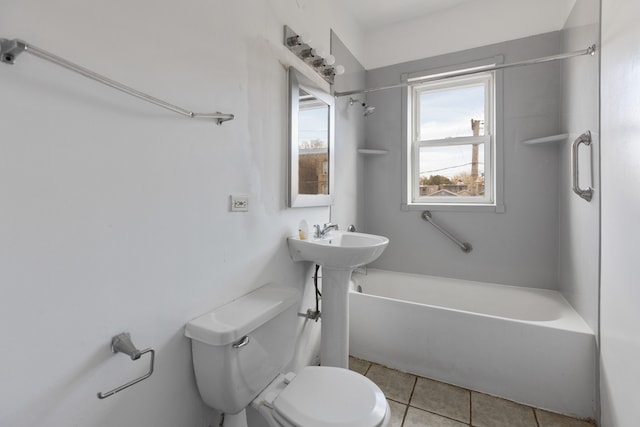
(299, 81)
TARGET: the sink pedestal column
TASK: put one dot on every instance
(334, 335)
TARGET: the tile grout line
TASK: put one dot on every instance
(535, 416)
(406, 411)
(470, 408)
(426, 410)
(436, 413)
(409, 405)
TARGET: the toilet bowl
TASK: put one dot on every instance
(317, 404)
(239, 353)
(323, 397)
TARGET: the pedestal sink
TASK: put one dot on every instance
(338, 253)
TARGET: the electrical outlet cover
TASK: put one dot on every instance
(239, 203)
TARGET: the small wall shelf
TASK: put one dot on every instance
(547, 139)
(372, 152)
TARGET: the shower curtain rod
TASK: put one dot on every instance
(591, 50)
(10, 49)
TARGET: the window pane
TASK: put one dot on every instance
(447, 113)
(452, 171)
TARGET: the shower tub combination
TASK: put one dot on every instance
(524, 344)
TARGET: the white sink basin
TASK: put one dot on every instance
(339, 249)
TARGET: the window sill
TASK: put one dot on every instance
(452, 208)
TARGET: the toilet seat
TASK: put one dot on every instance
(328, 397)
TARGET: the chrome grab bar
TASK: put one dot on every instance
(464, 246)
(10, 49)
(585, 139)
(121, 343)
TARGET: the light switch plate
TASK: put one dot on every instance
(239, 203)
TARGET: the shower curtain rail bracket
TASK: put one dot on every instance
(11, 49)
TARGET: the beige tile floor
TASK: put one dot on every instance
(421, 402)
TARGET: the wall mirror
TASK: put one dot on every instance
(311, 143)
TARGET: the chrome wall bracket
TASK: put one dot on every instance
(122, 343)
(10, 49)
(311, 314)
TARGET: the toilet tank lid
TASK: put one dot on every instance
(239, 317)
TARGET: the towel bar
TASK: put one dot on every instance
(121, 343)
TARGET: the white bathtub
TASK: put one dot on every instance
(524, 344)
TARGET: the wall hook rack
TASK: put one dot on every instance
(122, 343)
(10, 49)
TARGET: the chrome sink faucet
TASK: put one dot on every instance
(326, 228)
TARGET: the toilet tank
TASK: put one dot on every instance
(230, 369)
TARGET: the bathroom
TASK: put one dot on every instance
(115, 214)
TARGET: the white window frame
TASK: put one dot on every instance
(486, 79)
(497, 142)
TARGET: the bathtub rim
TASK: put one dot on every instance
(569, 320)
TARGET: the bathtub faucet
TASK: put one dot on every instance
(321, 232)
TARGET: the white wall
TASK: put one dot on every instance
(350, 124)
(620, 293)
(114, 214)
(465, 26)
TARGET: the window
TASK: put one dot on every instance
(451, 141)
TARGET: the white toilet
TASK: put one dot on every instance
(239, 351)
